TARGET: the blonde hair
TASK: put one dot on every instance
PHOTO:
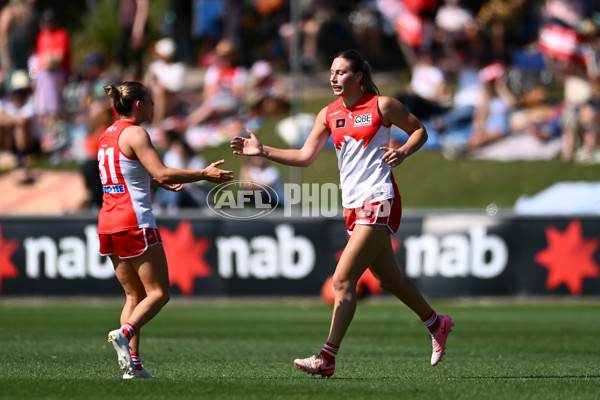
(359, 64)
(123, 97)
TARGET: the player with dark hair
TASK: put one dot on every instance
(360, 122)
(129, 166)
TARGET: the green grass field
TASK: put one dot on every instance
(57, 349)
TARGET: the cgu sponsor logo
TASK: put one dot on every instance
(265, 257)
(456, 256)
(69, 257)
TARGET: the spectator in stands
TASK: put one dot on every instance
(589, 116)
(491, 118)
(133, 15)
(19, 119)
(428, 93)
(309, 29)
(165, 78)
(457, 120)
(415, 26)
(99, 117)
(264, 94)
(96, 75)
(224, 83)
(96, 115)
(53, 63)
(180, 155)
(178, 23)
(256, 173)
(569, 43)
(564, 12)
(323, 28)
(17, 36)
(455, 27)
(262, 38)
(497, 19)
(7, 161)
(368, 31)
(581, 118)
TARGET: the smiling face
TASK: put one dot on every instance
(343, 81)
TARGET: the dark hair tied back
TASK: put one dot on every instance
(359, 64)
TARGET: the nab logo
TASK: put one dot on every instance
(362, 120)
(340, 123)
(226, 201)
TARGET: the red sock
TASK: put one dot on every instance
(432, 322)
(329, 352)
(128, 330)
(137, 363)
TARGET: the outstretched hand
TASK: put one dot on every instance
(173, 187)
(217, 175)
(392, 157)
(247, 146)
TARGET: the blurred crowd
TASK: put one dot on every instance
(504, 79)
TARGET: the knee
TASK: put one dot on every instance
(135, 297)
(382, 282)
(164, 297)
(344, 284)
(159, 297)
(385, 284)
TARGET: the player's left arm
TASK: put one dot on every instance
(393, 112)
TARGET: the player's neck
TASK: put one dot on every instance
(350, 100)
(135, 120)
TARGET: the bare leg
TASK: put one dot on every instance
(134, 294)
(362, 248)
(568, 145)
(159, 95)
(590, 120)
(145, 280)
(390, 277)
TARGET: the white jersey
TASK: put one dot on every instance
(358, 133)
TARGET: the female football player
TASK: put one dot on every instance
(129, 166)
(359, 122)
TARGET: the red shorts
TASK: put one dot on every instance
(129, 244)
(387, 212)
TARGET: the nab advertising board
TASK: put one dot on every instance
(445, 254)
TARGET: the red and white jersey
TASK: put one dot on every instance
(358, 132)
(126, 185)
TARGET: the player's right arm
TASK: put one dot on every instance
(302, 157)
(135, 142)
